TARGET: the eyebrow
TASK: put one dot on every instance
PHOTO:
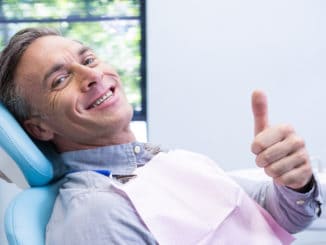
(53, 69)
(83, 50)
(59, 66)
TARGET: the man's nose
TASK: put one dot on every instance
(87, 77)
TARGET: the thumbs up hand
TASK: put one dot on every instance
(278, 149)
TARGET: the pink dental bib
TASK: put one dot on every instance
(185, 198)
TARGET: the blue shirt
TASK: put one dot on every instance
(88, 210)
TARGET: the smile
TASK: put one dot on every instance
(103, 98)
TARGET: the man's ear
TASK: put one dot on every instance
(36, 128)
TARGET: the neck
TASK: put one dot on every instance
(64, 145)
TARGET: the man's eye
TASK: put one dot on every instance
(59, 82)
(89, 61)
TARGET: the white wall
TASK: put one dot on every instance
(206, 57)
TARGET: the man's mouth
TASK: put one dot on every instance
(100, 100)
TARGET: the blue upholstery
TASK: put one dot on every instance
(29, 212)
(36, 168)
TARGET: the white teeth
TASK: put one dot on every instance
(102, 99)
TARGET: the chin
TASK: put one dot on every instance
(120, 132)
(125, 116)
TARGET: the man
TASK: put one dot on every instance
(61, 92)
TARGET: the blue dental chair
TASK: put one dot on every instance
(29, 212)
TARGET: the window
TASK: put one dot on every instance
(114, 28)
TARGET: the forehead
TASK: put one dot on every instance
(54, 42)
(43, 53)
(48, 47)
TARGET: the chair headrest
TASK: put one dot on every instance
(34, 160)
(28, 214)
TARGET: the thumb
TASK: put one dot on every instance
(260, 110)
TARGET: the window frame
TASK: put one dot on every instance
(138, 115)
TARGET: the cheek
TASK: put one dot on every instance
(109, 70)
(54, 102)
(60, 102)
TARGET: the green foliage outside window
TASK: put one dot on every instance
(111, 27)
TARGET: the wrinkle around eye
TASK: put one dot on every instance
(53, 101)
(55, 85)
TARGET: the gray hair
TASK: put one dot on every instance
(10, 94)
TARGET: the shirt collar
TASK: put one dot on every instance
(119, 159)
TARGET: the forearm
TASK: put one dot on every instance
(292, 210)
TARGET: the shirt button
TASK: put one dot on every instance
(137, 149)
(300, 202)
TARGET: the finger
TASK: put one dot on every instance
(296, 178)
(269, 137)
(287, 164)
(260, 111)
(280, 150)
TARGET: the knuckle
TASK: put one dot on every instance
(253, 148)
(259, 161)
(297, 142)
(270, 171)
(302, 156)
(307, 170)
(287, 129)
(257, 146)
(266, 170)
(267, 157)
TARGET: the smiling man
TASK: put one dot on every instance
(61, 92)
(80, 102)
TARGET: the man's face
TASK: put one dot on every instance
(77, 101)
